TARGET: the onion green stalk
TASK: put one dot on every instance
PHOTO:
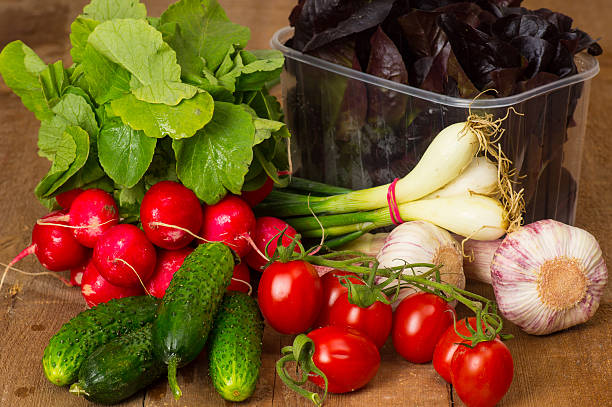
(450, 152)
(475, 216)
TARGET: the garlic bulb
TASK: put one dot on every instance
(479, 256)
(548, 276)
(422, 242)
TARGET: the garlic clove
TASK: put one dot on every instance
(422, 242)
(548, 276)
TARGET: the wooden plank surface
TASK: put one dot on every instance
(571, 368)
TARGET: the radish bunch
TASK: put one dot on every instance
(109, 259)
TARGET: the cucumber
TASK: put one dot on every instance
(186, 312)
(119, 369)
(235, 346)
(91, 329)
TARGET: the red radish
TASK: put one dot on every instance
(258, 195)
(96, 289)
(168, 262)
(266, 229)
(54, 246)
(65, 199)
(230, 221)
(92, 213)
(124, 256)
(241, 279)
(76, 274)
(170, 203)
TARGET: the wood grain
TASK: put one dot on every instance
(571, 368)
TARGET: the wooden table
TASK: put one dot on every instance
(571, 368)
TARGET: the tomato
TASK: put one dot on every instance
(374, 321)
(241, 279)
(348, 359)
(482, 375)
(332, 289)
(290, 296)
(447, 344)
(418, 322)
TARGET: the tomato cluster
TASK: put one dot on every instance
(293, 298)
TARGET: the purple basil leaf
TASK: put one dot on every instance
(478, 53)
(422, 35)
(538, 52)
(353, 101)
(320, 22)
(563, 64)
(386, 62)
(503, 81)
(507, 3)
(458, 83)
(561, 21)
(435, 79)
(469, 13)
(541, 79)
(584, 41)
(430, 5)
(510, 27)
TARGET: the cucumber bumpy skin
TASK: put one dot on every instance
(235, 347)
(92, 328)
(119, 369)
(186, 312)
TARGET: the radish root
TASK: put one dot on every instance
(244, 282)
(137, 275)
(189, 232)
(50, 273)
(61, 225)
(254, 246)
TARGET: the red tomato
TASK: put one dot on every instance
(374, 321)
(348, 359)
(418, 322)
(290, 296)
(482, 375)
(446, 346)
(240, 279)
(332, 289)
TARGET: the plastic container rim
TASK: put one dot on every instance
(592, 64)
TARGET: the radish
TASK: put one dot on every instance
(96, 289)
(76, 274)
(267, 229)
(230, 221)
(258, 195)
(168, 262)
(241, 279)
(54, 246)
(92, 213)
(124, 256)
(65, 199)
(171, 215)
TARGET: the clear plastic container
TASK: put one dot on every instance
(356, 130)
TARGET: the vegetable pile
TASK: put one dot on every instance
(149, 99)
(160, 152)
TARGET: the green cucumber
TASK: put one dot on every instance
(235, 347)
(186, 312)
(91, 329)
(119, 369)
